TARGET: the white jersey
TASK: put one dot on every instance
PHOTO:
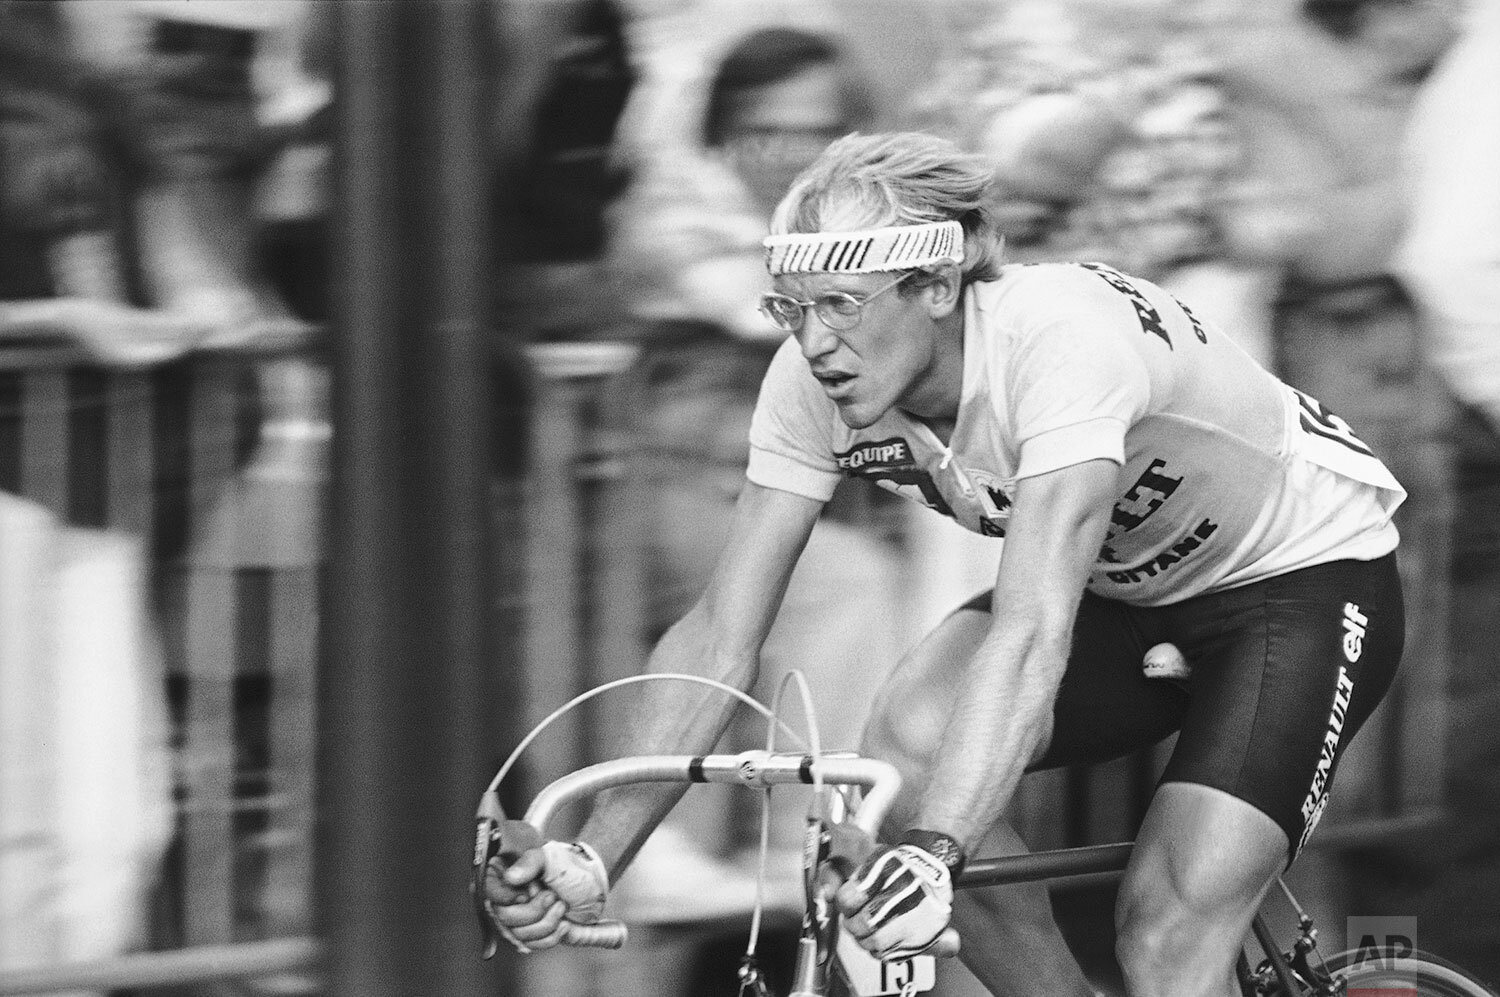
(1227, 475)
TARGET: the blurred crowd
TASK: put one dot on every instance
(162, 175)
(1320, 177)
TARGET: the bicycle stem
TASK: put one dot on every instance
(834, 850)
(820, 924)
(810, 975)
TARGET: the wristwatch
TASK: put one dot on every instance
(943, 847)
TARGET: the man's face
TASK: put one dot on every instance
(778, 129)
(887, 360)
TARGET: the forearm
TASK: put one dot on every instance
(1461, 312)
(1002, 717)
(666, 717)
(87, 265)
(720, 638)
(1356, 229)
(1003, 714)
(195, 250)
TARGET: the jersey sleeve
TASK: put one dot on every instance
(791, 433)
(1075, 380)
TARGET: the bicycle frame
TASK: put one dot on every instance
(881, 782)
(1111, 859)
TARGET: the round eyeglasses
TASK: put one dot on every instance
(838, 310)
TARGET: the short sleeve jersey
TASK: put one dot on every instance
(1227, 475)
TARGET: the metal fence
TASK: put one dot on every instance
(229, 503)
(180, 461)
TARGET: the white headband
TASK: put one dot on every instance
(896, 247)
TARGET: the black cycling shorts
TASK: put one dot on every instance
(1284, 672)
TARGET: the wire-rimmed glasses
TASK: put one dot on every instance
(838, 310)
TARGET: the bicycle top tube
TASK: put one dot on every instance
(1031, 867)
(755, 769)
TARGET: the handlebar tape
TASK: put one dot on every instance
(601, 935)
(947, 944)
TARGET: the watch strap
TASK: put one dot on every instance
(943, 847)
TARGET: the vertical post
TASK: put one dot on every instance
(405, 647)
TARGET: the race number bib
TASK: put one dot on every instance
(868, 976)
(1327, 440)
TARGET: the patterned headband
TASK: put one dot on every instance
(896, 247)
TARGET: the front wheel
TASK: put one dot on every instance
(1372, 974)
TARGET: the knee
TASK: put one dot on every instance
(884, 736)
(1142, 939)
(1166, 948)
(911, 711)
(1154, 950)
(891, 735)
(905, 724)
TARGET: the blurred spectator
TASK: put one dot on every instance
(194, 82)
(229, 104)
(67, 275)
(1321, 92)
(85, 805)
(1112, 141)
(150, 119)
(1450, 259)
(687, 244)
(1450, 255)
(294, 182)
(687, 235)
(565, 83)
(570, 176)
(58, 226)
(1229, 152)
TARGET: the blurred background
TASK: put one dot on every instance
(375, 377)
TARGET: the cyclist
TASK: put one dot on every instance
(1152, 484)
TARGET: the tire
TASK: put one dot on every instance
(1433, 976)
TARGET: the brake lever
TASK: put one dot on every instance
(833, 850)
(495, 837)
(847, 846)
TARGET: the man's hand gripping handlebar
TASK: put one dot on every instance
(888, 898)
(499, 845)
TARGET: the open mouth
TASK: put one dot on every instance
(834, 380)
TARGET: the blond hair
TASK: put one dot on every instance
(898, 178)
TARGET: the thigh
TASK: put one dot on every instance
(1199, 847)
(914, 702)
(1106, 708)
(1284, 673)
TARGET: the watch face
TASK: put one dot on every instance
(940, 846)
(947, 851)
